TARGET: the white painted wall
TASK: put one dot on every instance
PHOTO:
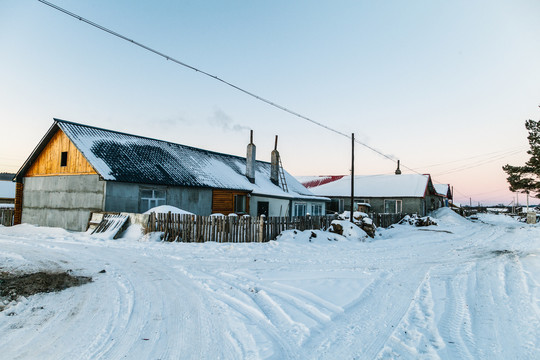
(277, 207)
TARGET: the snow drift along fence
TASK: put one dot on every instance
(194, 228)
(7, 216)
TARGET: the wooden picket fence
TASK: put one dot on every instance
(7, 215)
(385, 220)
(230, 229)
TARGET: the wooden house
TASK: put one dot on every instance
(77, 169)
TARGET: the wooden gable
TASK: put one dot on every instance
(60, 157)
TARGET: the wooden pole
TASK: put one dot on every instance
(261, 228)
(352, 178)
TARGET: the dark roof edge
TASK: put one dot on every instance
(37, 150)
(153, 139)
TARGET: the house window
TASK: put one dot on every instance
(316, 209)
(63, 158)
(335, 205)
(239, 204)
(152, 198)
(392, 206)
(300, 209)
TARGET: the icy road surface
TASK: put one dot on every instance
(468, 292)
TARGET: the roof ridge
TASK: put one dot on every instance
(153, 139)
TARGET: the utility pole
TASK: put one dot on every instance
(352, 179)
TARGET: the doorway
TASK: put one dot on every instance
(262, 208)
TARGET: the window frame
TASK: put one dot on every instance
(243, 208)
(300, 205)
(148, 203)
(316, 206)
(398, 204)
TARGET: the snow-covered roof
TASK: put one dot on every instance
(314, 181)
(442, 189)
(130, 158)
(405, 185)
(7, 190)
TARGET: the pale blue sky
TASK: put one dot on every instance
(446, 83)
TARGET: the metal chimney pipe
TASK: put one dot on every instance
(274, 167)
(250, 159)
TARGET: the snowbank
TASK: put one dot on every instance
(165, 209)
(428, 293)
(340, 230)
(446, 216)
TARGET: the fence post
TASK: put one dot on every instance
(261, 228)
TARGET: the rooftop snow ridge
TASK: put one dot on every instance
(118, 156)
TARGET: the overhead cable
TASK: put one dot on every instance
(170, 58)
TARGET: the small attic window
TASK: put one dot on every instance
(63, 158)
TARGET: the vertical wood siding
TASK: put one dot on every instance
(48, 161)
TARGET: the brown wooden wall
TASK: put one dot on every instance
(48, 161)
(18, 203)
(223, 201)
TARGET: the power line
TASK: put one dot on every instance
(500, 152)
(170, 58)
(481, 162)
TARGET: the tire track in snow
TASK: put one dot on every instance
(417, 336)
(522, 323)
(257, 307)
(380, 306)
(455, 323)
(165, 328)
(58, 315)
(134, 324)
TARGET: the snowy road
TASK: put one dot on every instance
(469, 294)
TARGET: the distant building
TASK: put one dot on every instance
(445, 192)
(7, 190)
(407, 193)
(77, 169)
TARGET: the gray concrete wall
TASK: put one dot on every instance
(125, 197)
(62, 201)
(195, 200)
(122, 197)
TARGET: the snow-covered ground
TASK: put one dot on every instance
(460, 290)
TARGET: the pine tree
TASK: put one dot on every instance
(527, 178)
